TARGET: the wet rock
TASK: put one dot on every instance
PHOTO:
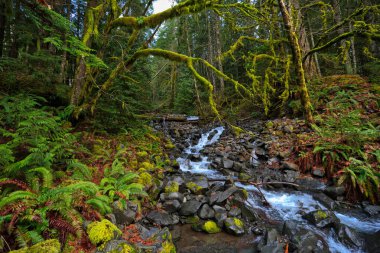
(271, 243)
(223, 196)
(190, 207)
(206, 212)
(349, 236)
(372, 210)
(162, 218)
(258, 230)
(309, 242)
(325, 200)
(220, 214)
(291, 176)
(318, 172)
(199, 185)
(247, 212)
(234, 226)
(372, 242)
(322, 218)
(234, 211)
(334, 192)
(175, 196)
(124, 216)
(286, 165)
(238, 167)
(171, 206)
(195, 157)
(310, 184)
(227, 163)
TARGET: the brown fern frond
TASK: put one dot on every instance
(62, 225)
(20, 184)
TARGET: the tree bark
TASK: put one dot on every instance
(218, 50)
(338, 19)
(297, 56)
(210, 51)
(3, 20)
(310, 67)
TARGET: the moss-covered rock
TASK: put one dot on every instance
(194, 188)
(168, 247)
(48, 246)
(123, 248)
(145, 179)
(172, 187)
(211, 227)
(100, 232)
(234, 226)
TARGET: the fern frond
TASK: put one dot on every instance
(15, 196)
(47, 176)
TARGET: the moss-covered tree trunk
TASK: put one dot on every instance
(297, 56)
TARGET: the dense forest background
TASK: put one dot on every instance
(105, 66)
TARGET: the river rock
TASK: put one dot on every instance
(206, 212)
(220, 214)
(286, 165)
(309, 242)
(171, 206)
(195, 157)
(334, 191)
(162, 218)
(318, 172)
(322, 218)
(234, 226)
(227, 163)
(234, 211)
(349, 236)
(372, 210)
(291, 175)
(124, 216)
(190, 207)
(223, 196)
(270, 243)
(199, 185)
(325, 200)
(175, 196)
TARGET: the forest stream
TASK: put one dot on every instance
(276, 217)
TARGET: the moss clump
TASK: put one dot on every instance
(145, 179)
(321, 214)
(172, 187)
(244, 176)
(168, 247)
(269, 124)
(48, 246)
(142, 154)
(102, 232)
(239, 223)
(123, 248)
(211, 227)
(147, 165)
(194, 188)
(169, 145)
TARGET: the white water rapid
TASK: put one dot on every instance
(283, 205)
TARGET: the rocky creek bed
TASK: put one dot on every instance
(209, 193)
(206, 204)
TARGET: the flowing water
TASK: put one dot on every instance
(283, 205)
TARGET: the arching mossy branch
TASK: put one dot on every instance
(187, 7)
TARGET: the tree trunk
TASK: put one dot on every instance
(309, 65)
(297, 55)
(218, 46)
(315, 55)
(210, 53)
(3, 19)
(338, 19)
(80, 77)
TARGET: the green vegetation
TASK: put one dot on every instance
(81, 81)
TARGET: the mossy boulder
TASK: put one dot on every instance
(48, 246)
(211, 227)
(145, 179)
(322, 218)
(234, 226)
(168, 247)
(172, 186)
(100, 232)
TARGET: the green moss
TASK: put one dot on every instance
(321, 214)
(192, 220)
(244, 176)
(145, 179)
(168, 247)
(172, 187)
(211, 227)
(239, 223)
(147, 165)
(123, 248)
(48, 246)
(102, 232)
(269, 124)
(193, 187)
(142, 154)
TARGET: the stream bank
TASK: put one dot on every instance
(310, 218)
